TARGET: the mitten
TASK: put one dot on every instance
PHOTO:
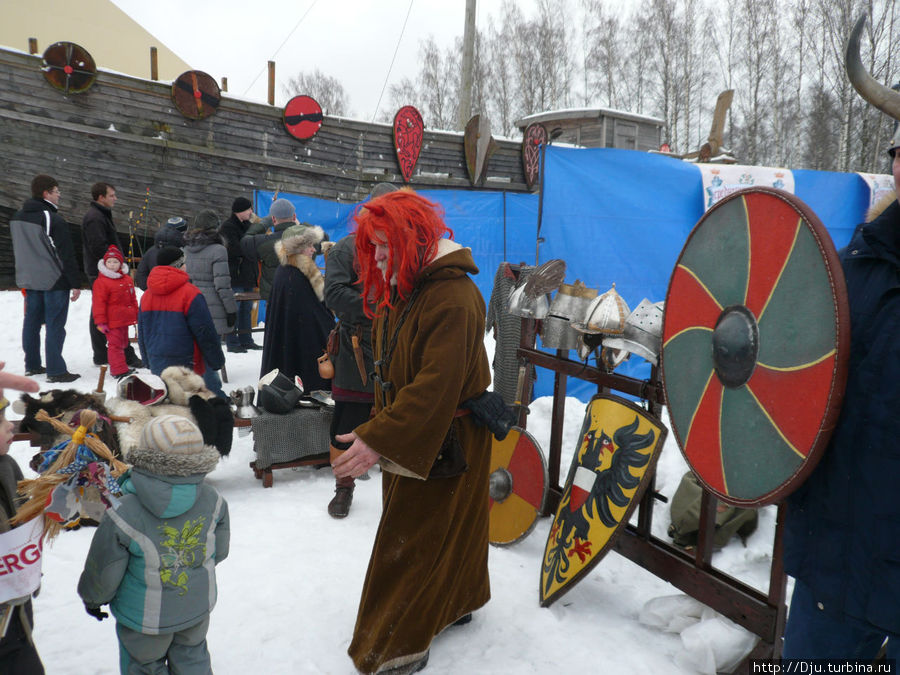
(95, 612)
(103, 328)
(230, 318)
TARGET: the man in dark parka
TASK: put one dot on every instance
(428, 568)
(98, 233)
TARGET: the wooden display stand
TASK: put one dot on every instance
(761, 613)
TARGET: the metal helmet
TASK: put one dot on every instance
(643, 332)
(570, 304)
(278, 394)
(606, 315)
(520, 304)
(884, 98)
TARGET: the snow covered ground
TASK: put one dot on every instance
(289, 590)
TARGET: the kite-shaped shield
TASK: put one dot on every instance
(479, 145)
(196, 94)
(617, 451)
(302, 117)
(535, 136)
(519, 487)
(755, 341)
(409, 131)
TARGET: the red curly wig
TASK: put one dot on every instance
(412, 226)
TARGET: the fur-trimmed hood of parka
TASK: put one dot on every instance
(305, 264)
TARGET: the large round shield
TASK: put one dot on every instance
(519, 486)
(755, 342)
(69, 67)
(196, 94)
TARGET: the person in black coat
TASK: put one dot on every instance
(98, 233)
(169, 235)
(243, 273)
(297, 321)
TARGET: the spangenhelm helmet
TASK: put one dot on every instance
(884, 98)
(605, 315)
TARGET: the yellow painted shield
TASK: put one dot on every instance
(615, 457)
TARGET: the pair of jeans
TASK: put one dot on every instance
(814, 632)
(243, 323)
(50, 308)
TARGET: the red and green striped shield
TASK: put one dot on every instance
(755, 342)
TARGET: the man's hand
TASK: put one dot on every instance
(355, 460)
(17, 382)
(96, 612)
(76, 292)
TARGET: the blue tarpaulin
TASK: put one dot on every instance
(614, 216)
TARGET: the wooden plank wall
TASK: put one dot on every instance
(127, 131)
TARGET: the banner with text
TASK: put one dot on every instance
(20, 560)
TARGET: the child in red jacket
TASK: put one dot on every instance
(115, 308)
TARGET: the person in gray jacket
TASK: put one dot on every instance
(206, 262)
(153, 559)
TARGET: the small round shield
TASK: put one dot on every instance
(302, 117)
(69, 67)
(755, 342)
(196, 94)
(519, 486)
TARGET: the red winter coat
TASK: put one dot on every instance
(114, 302)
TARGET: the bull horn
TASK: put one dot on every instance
(885, 99)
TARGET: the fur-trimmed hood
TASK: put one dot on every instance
(879, 207)
(101, 267)
(303, 263)
(165, 465)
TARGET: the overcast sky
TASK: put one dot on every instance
(351, 40)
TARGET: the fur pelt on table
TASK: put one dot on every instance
(187, 397)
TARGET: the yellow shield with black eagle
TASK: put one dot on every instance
(616, 454)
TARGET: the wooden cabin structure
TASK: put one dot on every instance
(599, 128)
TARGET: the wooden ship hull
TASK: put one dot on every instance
(127, 131)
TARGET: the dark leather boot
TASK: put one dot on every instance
(339, 506)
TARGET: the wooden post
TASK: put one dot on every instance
(32, 46)
(154, 64)
(224, 84)
(271, 83)
(468, 61)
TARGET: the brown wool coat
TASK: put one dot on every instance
(429, 561)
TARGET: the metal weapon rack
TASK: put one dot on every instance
(761, 613)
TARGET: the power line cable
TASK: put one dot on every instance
(293, 30)
(393, 58)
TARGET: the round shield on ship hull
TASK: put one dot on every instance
(755, 343)
(519, 487)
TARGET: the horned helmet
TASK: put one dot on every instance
(884, 98)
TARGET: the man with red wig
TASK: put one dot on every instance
(428, 568)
